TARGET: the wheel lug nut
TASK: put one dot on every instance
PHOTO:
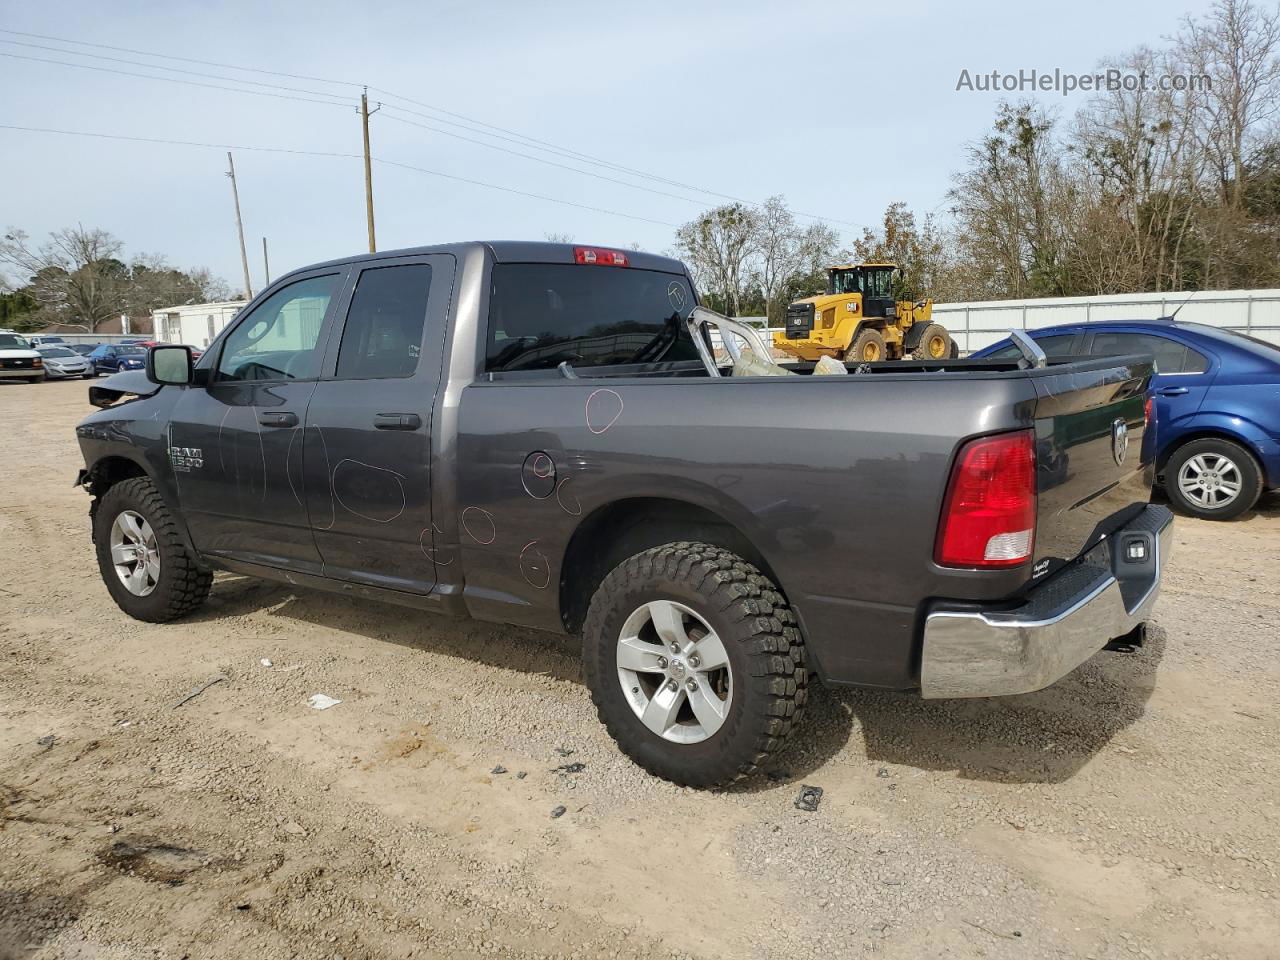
(672, 685)
(662, 663)
(675, 648)
(694, 661)
(692, 685)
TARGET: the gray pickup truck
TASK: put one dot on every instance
(542, 434)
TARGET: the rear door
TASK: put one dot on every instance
(1182, 376)
(368, 427)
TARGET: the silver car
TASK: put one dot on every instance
(61, 363)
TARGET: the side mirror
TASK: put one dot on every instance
(169, 365)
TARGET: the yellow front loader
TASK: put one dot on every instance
(858, 320)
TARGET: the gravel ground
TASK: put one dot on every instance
(1130, 810)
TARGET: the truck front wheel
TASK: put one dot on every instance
(148, 570)
(694, 662)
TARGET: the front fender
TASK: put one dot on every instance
(125, 383)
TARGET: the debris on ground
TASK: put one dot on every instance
(576, 767)
(809, 798)
(265, 662)
(558, 811)
(882, 772)
(220, 678)
(47, 741)
(564, 751)
(320, 701)
(521, 775)
(498, 769)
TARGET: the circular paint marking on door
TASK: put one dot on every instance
(538, 475)
(677, 296)
(479, 525)
(604, 407)
(534, 566)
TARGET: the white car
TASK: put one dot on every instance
(18, 361)
(61, 362)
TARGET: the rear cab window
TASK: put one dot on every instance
(542, 314)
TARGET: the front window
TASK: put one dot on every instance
(878, 283)
(541, 314)
(11, 341)
(129, 350)
(277, 341)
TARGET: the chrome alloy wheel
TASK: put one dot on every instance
(674, 672)
(134, 553)
(1210, 480)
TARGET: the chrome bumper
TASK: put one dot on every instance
(1064, 621)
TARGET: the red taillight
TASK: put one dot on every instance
(989, 515)
(1147, 411)
(604, 258)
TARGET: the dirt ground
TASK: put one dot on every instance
(1130, 810)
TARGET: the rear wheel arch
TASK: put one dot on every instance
(1168, 452)
(623, 528)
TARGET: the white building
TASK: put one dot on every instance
(195, 324)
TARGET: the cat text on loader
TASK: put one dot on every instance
(858, 320)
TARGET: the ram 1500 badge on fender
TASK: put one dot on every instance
(540, 434)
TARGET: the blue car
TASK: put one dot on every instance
(113, 357)
(1217, 401)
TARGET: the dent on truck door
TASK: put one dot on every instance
(368, 428)
(236, 444)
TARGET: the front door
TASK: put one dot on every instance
(236, 440)
(368, 426)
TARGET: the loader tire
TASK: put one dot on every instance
(934, 344)
(867, 347)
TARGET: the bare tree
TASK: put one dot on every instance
(76, 277)
(1236, 46)
(916, 248)
(719, 246)
(558, 237)
(784, 250)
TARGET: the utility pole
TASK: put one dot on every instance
(244, 256)
(368, 166)
(266, 265)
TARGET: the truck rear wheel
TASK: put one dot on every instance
(148, 570)
(694, 662)
(934, 344)
(867, 347)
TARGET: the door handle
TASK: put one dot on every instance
(397, 421)
(1173, 391)
(270, 418)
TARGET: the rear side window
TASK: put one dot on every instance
(383, 334)
(541, 314)
(1054, 347)
(1170, 355)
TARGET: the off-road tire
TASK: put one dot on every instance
(855, 351)
(765, 650)
(183, 584)
(1250, 477)
(921, 350)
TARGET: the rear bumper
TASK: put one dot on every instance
(1062, 623)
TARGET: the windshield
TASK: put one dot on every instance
(846, 281)
(130, 350)
(56, 352)
(541, 314)
(12, 341)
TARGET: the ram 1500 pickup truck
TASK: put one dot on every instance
(541, 434)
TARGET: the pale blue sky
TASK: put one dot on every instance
(840, 108)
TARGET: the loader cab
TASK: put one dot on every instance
(874, 281)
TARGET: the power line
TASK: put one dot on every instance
(528, 156)
(167, 56)
(521, 139)
(156, 66)
(345, 156)
(190, 83)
